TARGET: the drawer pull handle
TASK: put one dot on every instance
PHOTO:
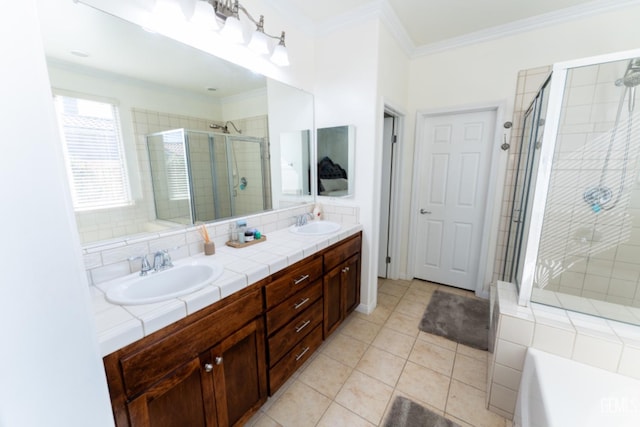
(300, 303)
(301, 279)
(299, 356)
(345, 270)
(208, 367)
(218, 360)
(304, 325)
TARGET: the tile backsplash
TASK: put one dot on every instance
(109, 260)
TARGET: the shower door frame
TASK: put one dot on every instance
(547, 150)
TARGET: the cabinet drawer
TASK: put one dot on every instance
(146, 366)
(293, 306)
(292, 280)
(294, 359)
(288, 336)
(342, 252)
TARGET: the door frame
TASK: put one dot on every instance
(395, 199)
(497, 162)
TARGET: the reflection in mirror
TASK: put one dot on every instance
(157, 84)
(335, 161)
(296, 163)
(204, 176)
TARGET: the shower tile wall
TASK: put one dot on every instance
(583, 253)
(139, 217)
(528, 84)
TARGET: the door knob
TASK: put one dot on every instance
(423, 211)
(208, 367)
(218, 360)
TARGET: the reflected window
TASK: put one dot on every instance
(94, 153)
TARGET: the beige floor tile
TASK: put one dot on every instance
(379, 315)
(388, 301)
(423, 285)
(394, 289)
(381, 365)
(360, 329)
(472, 352)
(438, 340)
(420, 295)
(403, 323)
(458, 421)
(365, 396)
(470, 371)
(338, 415)
(325, 375)
(345, 349)
(433, 356)
(394, 342)
(262, 420)
(411, 307)
(424, 384)
(467, 403)
(299, 406)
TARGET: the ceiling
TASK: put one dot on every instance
(428, 22)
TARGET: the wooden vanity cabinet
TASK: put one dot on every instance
(205, 370)
(294, 318)
(341, 283)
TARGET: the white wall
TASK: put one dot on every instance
(346, 94)
(486, 72)
(51, 372)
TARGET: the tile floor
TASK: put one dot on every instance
(354, 376)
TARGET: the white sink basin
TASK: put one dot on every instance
(163, 285)
(316, 228)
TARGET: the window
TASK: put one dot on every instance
(176, 163)
(94, 153)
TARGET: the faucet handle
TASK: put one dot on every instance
(166, 259)
(145, 267)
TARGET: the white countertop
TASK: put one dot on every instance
(120, 325)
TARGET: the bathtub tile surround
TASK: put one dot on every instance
(594, 341)
(118, 326)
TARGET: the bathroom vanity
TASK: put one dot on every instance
(217, 366)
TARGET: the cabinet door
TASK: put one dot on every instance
(177, 400)
(351, 282)
(333, 300)
(239, 374)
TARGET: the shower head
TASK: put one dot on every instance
(631, 76)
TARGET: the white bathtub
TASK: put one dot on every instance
(558, 392)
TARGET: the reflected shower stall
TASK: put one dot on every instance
(574, 232)
(204, 176)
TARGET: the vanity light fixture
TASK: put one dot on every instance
(229, 12)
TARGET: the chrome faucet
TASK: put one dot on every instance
(145, 266)
(302, 219)
(162, 260)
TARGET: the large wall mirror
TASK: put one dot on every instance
(200, 137)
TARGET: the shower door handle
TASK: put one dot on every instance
(425, 212)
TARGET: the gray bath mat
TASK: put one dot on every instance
(458, 318)
(406, 413)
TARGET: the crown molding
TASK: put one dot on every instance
(524, 25)
(382, 10)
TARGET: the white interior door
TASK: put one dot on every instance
(453, 159)
(385, 196)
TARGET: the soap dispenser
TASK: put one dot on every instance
(317, 212)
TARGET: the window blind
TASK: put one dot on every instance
(94, 153)
(176, 163)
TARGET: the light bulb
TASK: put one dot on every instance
(259, 43)
(232, 30)
(204, 16)
(280, 56)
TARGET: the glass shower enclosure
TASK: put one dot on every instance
(579, 244)
(204, 176)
